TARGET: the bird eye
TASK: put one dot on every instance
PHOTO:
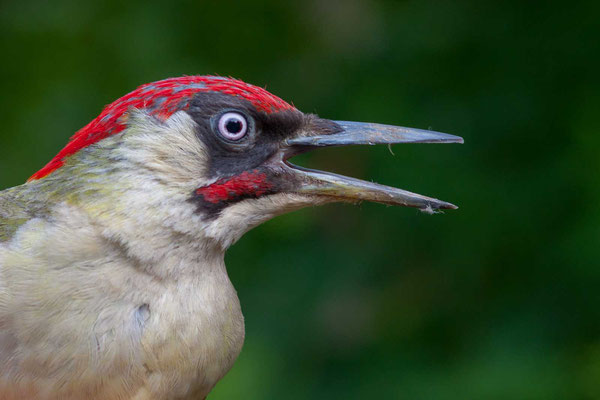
(232, 126)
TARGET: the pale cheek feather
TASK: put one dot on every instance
(168, 151)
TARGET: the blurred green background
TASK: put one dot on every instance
(497, 300)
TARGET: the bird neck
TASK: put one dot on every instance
(162, 233)
(156, 228)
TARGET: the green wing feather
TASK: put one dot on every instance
(15, 210)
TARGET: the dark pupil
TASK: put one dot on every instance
(233, 125)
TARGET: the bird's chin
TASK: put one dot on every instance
(333, 187)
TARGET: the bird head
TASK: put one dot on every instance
(212, 153)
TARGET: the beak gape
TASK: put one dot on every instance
(350, 189)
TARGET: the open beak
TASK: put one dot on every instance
(350, 189)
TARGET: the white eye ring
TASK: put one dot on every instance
(233, 126)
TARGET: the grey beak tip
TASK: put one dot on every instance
(446, 138)
(449, 206)
(430, 209)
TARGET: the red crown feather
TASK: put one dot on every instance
(162, 99)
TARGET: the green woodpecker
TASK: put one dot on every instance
(112, 280)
